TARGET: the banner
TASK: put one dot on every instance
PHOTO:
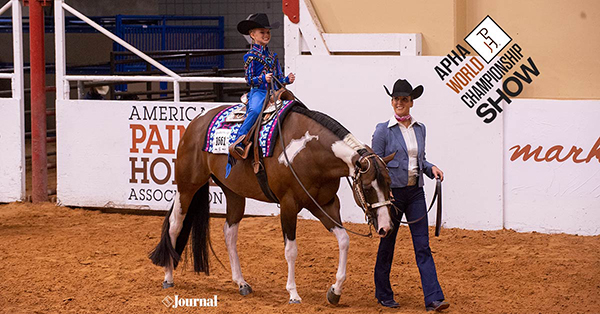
(122, 154)
(552, 166)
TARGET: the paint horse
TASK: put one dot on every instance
(320, 150)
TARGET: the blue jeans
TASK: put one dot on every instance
(410, 200)
(256, 98)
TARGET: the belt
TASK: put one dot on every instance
(412, 181)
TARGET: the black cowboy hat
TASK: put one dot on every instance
(403, 88)
(256, 20)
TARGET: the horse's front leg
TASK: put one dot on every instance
(335, 292)
(332, 222)
(289, 215)
(231, 235)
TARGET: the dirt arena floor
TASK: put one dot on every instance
(64, 260)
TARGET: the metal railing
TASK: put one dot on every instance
(16, 76)
(62, 80)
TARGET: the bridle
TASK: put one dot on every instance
(359, 191)
(355, 178)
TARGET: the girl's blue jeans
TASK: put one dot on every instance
(256, 98)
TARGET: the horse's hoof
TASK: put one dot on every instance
(333, 298)
(294, 301)
(245, 289)
(167, 285)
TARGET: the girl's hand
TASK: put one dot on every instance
(269, 77)
(291, 78)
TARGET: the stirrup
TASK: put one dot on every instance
(238, 152)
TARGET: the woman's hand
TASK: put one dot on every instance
(291, 78)
(437, 173)
(269, 77)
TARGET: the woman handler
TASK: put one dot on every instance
(403, 135)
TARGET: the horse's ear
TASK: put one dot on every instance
(389, 158)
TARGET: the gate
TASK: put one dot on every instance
(12, 124)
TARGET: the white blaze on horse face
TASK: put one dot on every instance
(344, 152)
(291, 252)
(295, 146)
(343, 244)
(383, 215)
(231, 236)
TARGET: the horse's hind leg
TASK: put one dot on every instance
(235, 212)
(333, 210)
(176, 218)
(176, 230)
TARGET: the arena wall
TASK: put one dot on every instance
(492, 181)
(488, 184)
(12, 126)
(554, 190)
(457, 141)
(120, 154)
(559, 33)
(12, 157)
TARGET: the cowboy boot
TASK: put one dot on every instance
(238, 150)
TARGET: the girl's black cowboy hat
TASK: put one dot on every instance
(403, 88)
(256, 20)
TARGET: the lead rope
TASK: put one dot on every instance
(435, 194)
(369, 235)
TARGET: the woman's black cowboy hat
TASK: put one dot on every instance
(256, 20)
(403, 88)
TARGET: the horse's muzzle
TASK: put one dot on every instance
(383, 232)
(384, 222)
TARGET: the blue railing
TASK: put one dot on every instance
(155, 33)
(149, 33)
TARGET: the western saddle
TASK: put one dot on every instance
(266, 115)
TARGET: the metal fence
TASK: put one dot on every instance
(155, 33)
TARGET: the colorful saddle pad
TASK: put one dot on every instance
(221, 134)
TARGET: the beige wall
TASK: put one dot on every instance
(561, 36)
(384, 16)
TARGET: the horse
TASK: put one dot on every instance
(319, 149)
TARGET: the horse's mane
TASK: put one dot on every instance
(326, 121)
(336, 128)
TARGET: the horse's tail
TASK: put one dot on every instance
(196, 221)
(200, 229)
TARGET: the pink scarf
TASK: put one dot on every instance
(403, 118)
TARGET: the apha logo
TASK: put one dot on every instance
(475, 83)
(555, 153)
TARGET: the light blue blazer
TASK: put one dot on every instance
(388, 139)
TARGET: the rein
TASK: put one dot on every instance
(437, 194)
(359, 191)
(369, 235)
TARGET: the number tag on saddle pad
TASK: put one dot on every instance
(221, 144)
